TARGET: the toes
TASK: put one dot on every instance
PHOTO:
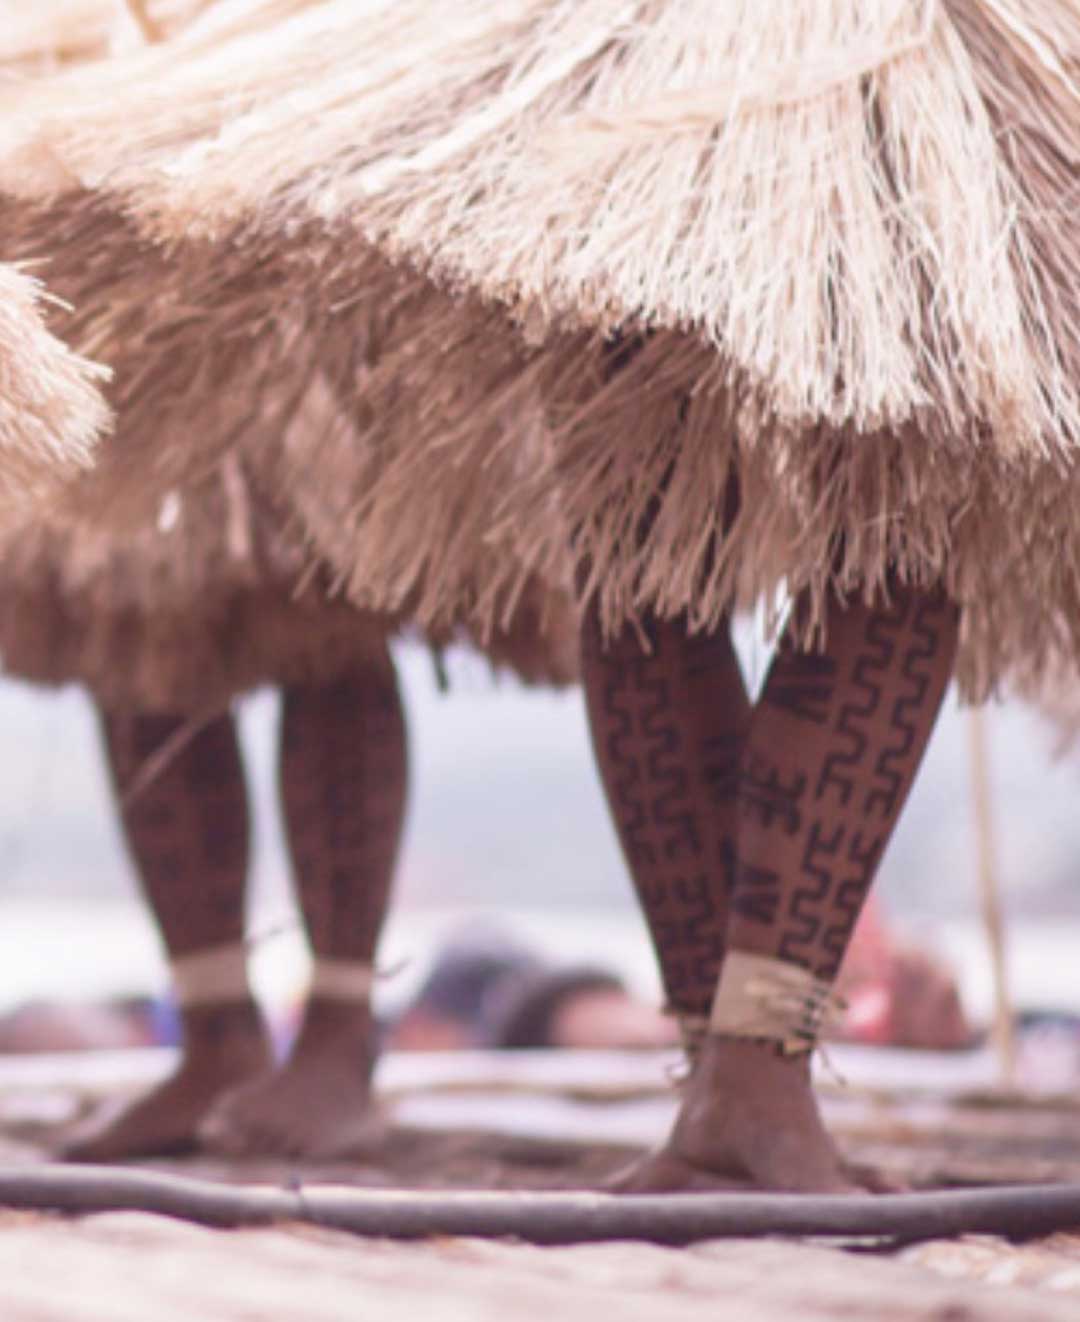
(238, 1131)
(119, 1145)
(222, 1135)
(270, 1119)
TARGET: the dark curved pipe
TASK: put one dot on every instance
(1019, 1212)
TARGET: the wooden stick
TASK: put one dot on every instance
(988, 879)
(146, 25)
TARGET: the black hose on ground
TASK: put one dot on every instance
(1018, 1212)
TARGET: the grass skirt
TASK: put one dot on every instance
(179, 617)
(838, 237)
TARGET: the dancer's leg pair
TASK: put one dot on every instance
(752, 835)
(342, 782)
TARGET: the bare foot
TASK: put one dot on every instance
(748, 1115)
(317, 1105)
(223, 1045)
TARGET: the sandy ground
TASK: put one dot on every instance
(131, 1268)
(491, 1123)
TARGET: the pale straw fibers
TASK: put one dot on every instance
(200, 583)
(51, 408)
(845, 230)
(205, 593)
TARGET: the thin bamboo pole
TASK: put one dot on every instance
(988, 880)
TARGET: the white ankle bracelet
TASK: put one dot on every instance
(342, 980)
(212, 976)
(759, 996)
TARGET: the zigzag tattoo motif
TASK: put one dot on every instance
(917, 673)
(842, 766)
(188, 829)
(774, 800)
(756, 893)
(863, 854)
(720, 755)
(344, 759)
(844, 823)
(818, 862)
(649, 783)
(801, 684)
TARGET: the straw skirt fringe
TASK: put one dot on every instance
(420, 507)
(182, 616)
(355, 485)
(184, 392)
(833, 243)
(865, 209)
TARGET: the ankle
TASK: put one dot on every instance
(333, 1022)
(740, 1066)
(693, 1026)
(229, 1031)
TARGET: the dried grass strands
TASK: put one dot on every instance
(52, 34)
(187, 386)
(856, 140)
(113, 118)
(165, 616)
(183, 613)
(440, 503)
(852, 257)
(85, 249)
(362, 490)
(51, 408)
(820, 191)
(642, 477)
(140, 15)
(200, 596)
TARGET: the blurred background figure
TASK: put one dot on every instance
(897, 993)
(487, 989)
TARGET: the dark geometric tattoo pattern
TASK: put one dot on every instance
(343, 788)
(801, 685)
(343, 774)
(187, 828)
(831, 756)
(667, 727)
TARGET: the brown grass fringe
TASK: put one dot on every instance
(839, 235)
(181, 397)
(444, 514)
(359, 488)
(53, 34)
(182, 616)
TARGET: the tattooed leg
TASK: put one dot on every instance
(187, 831)
(834, 745)
(667, 724)
(343, 782)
